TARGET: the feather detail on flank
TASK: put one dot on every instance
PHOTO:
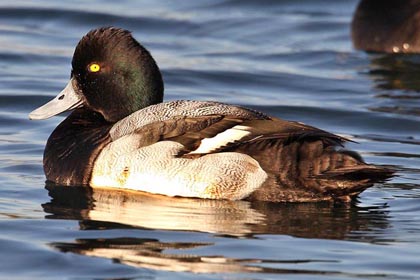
(230, 176)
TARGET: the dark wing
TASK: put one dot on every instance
(216, 133)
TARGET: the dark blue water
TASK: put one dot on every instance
(291, 59)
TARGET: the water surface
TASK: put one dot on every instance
(291, 59)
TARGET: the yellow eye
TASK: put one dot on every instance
(94, 67)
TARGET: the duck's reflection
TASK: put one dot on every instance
(136, 209)
(395, 71)
(396, 76)
(111, 209)
(119, 208)
(150, 254)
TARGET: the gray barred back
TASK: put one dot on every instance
(179, 108)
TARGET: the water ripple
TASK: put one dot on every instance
(290, 59)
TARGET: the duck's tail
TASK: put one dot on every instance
(343, 174)
(313, 171)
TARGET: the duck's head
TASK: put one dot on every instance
(112, 74)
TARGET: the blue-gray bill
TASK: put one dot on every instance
(66, 100)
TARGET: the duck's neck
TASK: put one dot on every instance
(73, 146)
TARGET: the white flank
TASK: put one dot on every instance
(156, 169)
(228, 136)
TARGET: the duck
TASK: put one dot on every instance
(389, 26)
(121, 135)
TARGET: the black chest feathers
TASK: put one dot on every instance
(73, 147)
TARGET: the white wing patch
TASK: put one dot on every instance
(233, 134)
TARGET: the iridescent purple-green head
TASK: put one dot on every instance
(112, 74)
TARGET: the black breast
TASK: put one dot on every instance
(73, 147)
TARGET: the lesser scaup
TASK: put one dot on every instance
(122, 135)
